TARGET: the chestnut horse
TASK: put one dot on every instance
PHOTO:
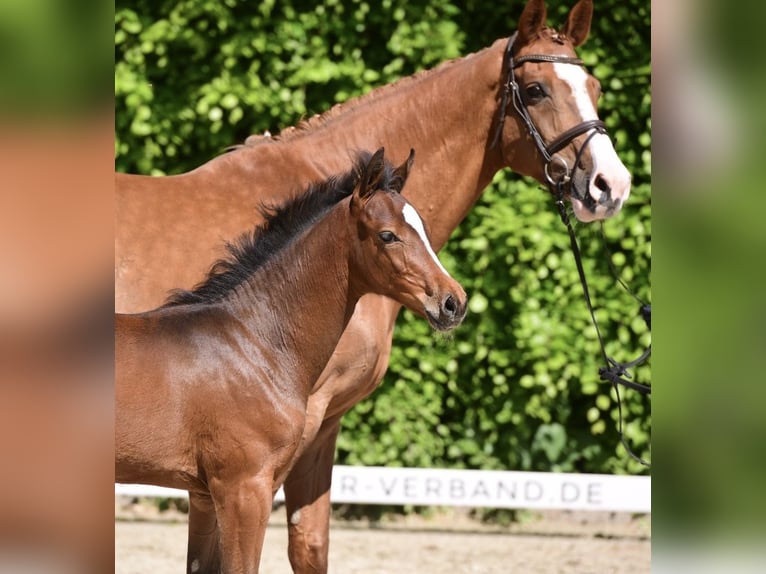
(211, 388)
(465, 128)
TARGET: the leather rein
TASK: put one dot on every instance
(613, 371)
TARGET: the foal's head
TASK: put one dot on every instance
(392, 255)
(560, 98)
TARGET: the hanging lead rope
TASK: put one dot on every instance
(615, 372)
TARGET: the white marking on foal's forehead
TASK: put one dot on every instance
(413, 219)
(577, 79)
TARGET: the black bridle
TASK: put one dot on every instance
(613, 371)
(512, 91)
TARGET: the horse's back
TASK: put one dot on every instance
(169, 230)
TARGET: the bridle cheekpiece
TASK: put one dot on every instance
(512, 91)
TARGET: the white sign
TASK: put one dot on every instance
(493, 489)
(474, 488)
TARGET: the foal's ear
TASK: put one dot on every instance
(401, 172)
(578, 23)
(372, 173)
(532, 20)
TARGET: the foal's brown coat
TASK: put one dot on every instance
(449, 115)
(211, 390)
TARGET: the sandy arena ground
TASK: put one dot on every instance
(149, 542)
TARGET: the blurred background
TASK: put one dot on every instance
(56, 286)
(708, 139)
(507, 390)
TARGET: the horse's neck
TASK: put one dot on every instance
(447, 115)
(299, 303)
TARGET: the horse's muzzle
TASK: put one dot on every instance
(586, 206)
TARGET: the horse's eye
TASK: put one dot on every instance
(387, 237)
(535, 92)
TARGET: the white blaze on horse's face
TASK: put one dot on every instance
(609, 181)
(413, 219)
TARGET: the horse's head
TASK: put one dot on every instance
(393, 254)
(552, 99)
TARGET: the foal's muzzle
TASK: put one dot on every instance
(449, 313)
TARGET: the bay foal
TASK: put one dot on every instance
(211, 388)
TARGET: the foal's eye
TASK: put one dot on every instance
(535, 92)
(387, 237)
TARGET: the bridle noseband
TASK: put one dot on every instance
(614, 371)
(548, 151)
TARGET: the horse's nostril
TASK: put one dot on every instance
(450, 305)
(602, 184)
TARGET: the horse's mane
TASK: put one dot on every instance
(283, 223)
(319, 120)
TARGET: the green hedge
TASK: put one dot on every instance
(517, 385)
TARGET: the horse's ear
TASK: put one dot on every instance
(401, 172)
(371, 175)
(578, 23)
(532, 20)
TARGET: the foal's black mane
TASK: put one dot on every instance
(282, 224)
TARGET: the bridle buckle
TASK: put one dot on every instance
(564, 179)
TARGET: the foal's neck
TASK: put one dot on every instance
(300, 302)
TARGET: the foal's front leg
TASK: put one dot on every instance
(203, 553)
(243, 508)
